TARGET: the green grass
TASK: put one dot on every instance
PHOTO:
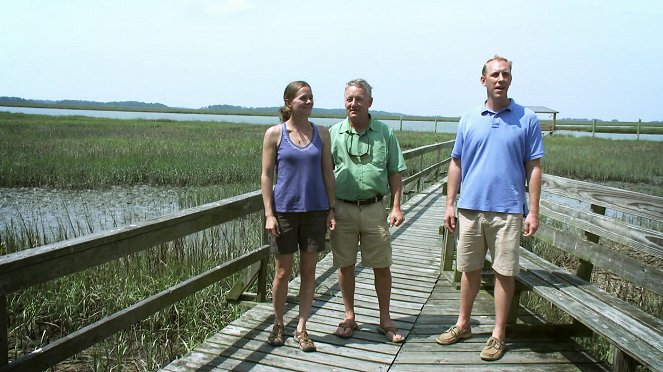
(604, 160)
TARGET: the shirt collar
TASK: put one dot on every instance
(485, 110)
(346, 128)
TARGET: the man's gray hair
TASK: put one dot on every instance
(361, 83)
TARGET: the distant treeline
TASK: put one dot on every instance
(212, 109)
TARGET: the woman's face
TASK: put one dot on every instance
(302, 103)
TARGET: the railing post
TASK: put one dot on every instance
(401, 126)
(638, 132)
(4, 337)
(435, 125)
(594, 129)
(622, 362)
(437, 161)
(421, 166)
(585, 268)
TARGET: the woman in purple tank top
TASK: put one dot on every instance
(297, 184)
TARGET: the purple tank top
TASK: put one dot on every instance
(299, 184)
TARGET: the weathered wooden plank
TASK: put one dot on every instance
(636, 237)
(630, 202)
(606, 299)
(511, 356)
(556, 367)
(634, 346)
(630, 269)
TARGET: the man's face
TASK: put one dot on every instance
(357, 102)
(497, 78)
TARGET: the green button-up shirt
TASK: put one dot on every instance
(363, 161)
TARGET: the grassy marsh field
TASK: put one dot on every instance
(224, 160)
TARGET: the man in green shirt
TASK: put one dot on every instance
(367, 166)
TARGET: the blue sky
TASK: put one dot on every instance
(586, 59)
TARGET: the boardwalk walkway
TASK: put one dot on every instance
(423, 304)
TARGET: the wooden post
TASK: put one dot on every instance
(638, 132)
(435, 125)
(594, 129)
(421, 166)
(554, 121)
(4, 338)
(622, 361)
(401, 127)
(585, 268)
(437, 160)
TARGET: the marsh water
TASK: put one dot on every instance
(54, 214)
(423, 126)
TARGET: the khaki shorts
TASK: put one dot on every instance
(361, 229)
(480, 232)
(303, 231)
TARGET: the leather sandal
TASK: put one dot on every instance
(305, 342)
(277, 337)
(394, 331)
(343, 327)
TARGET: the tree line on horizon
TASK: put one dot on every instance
(17, 101)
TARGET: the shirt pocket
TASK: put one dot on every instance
(379, 154)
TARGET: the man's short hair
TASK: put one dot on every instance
(361, 83)
(495, 57)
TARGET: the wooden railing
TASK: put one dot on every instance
(34, 266)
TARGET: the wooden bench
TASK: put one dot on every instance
(587, 222)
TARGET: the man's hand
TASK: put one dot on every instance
(450, 218)
(396, 217)
(531, 223)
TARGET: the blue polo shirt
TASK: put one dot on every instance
(493, 148)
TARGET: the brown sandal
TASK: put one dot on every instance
(277, 337)
(305, 342)
(394, 331)
(346, 329)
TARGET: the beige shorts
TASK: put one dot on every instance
(479, 232)
(361, 229)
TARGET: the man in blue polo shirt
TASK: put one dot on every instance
(498, 147)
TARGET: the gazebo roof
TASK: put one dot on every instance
(542, 110)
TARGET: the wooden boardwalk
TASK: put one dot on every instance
(423, 304)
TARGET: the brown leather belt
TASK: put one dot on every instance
(372, 200)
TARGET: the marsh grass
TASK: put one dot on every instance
(66, 304)
(216, 160)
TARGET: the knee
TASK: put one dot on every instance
(281, 274)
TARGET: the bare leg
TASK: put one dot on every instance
(308, 262)
(469, 287)
(346, 280)
(383, 290)
(282, 270)
(504, 288)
